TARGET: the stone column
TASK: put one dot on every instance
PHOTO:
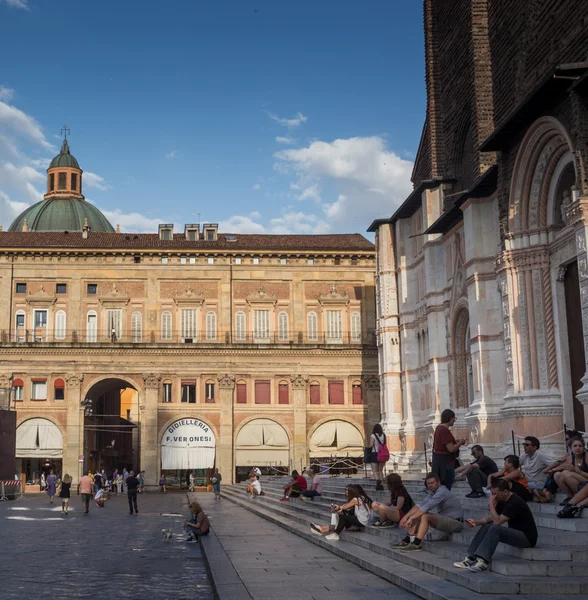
(149, 427)
(225, 453)
(300, 457)
(73, 443)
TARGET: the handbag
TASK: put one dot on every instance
(383, 452)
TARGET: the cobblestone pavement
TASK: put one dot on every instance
(106, 554)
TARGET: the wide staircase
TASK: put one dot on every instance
(555, 569)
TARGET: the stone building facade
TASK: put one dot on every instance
(182, 351)
(482, 272)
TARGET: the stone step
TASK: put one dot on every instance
(429, 576)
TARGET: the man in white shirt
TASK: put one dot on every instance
(534, 462)
(254, 487)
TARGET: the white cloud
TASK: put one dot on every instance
(281, 139)
(240, 224)
(290, 123)
(132, 222)
(171, 155)
(22, 125)
(6, 93)
(23, 4)
(9, 209)
(256, 186)
(92, 180)
(369, 179)
(289, 223)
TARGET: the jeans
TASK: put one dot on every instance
(485, 541)
(345, 521)
(443, 467)
(477, 480)
(310, 493)
(132, 496)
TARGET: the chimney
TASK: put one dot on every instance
(85, 229)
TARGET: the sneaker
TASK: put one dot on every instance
(315, 531)
(315, 528)
(334, 537)
(401, 544)
(190, 539)
(475, 495)
(284, 499)
(479, 566)
(486, 491)
(412, 547)
(466, 563)
(304, 498)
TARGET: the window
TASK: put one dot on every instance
(312, 327)
(91, 326)
(192, 260)
(240, 327)
(166, 325)
(355, 327)
(334, 329)
(262, 392)
(165, 260)
(61, 288)
(211, 326)
(21, 288)
(261, 326)
(356, 393)
(337, 260)
(315, 393)
(74, 181)
(166, 392)
(241, 392)
(209, 392)
(92, 288)
(51, 182)
(189, 392)
(283, 261)
(62, 181)
(210, 235)
(137, 327)
(310, 261)
(60, 325)
(283, 393)
(40, 325)
(183, 260)
(20, 329)
(238, 260)
(137, 259)
(39, 389)
(255, 260)
(283, 334)
(59, 389)
(166, 234)
(191, 235)
(336, 393)
(188, 325)
(211, 260)
(113, 324)
(18, 388)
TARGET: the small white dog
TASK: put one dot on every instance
(167, 535)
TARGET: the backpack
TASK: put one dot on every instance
(383, 452)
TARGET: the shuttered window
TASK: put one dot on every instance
(59, 389)
(261, 325)
(113, 322)
(91, 326)
(188, 324)
(209, 392)
(312, 327)
(357, 396)
(136, 327)
(315, 393)
(336, 393)
(166, 395)
(211, 326)
(334, 329)
(355, 327)
(166, 325)
(283, 396)
(262, 392)
(240, 327)
(189, 392)
(60, 325)
(241, 393)
(283, 333)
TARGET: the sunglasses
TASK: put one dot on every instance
(528, 444)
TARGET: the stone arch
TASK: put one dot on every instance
(328, 448)
(46, 417)
(126, 378)
(264, 445)
(462, 356)
(198, 416)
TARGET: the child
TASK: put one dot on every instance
(254, 487)
(198, 525)
(64, 493)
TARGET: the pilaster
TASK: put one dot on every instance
(300, 445)
(73, 443)
(150, 444)
(225, 461)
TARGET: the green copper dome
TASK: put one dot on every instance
(61, 214)
(64, 158)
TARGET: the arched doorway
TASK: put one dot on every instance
(336, 439)
(463, 361)
(111, 426)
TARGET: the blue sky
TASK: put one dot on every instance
(264, 116)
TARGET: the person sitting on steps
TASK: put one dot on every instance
(576, 504)
(576, 473)
(294, 487)
(254, 487)
(534, 462)
(400, 502)
(447, 515)
(356, 512)
(504, 507)
(477, 472)
(315, 485)
(377, 439)
(513, 474)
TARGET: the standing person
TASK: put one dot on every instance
(141, 478)
(198, 524)
(216, 481)
(119, 483)
(446, 449)
(377, 439)
(162, 484)
(400, 502)
(132, 484)
(97, 482)
(51, 485)
(125, 476)
(315, 485)
(65, 493)
(534, 463)
(85, 488)
(504, 507)
(477, 472)
(192, 481)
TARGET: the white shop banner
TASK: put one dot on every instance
(188, 444)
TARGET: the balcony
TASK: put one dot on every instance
(129, 339)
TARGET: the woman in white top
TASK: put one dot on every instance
(377, 438)
(356, 512)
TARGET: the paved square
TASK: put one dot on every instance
(106, 554)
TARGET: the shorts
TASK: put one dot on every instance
(448, 525)
(65, 500)
(216, 488)
(86, 498)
